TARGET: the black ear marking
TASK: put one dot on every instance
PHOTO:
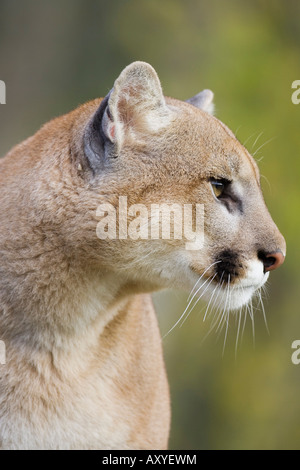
(109, 113)
(95, 140)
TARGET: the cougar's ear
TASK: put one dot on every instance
(136, 104)
(133, 108)
(203, 100)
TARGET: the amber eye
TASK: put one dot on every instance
(218, 186)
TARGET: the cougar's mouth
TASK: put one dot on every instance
(230, 280)
(228, 267)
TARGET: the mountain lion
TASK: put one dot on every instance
(84, 365)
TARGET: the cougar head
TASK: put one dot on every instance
(154, 150)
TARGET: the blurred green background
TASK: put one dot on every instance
(55, 55)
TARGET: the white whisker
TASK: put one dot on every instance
(192, 298)
(248, 138)
(208, 305)
(251, 314)
(257, 138)
(223, 316)
(238, 331)
(219, 292)
(198, 299)
(244, 323)
(263, 311)
(227, 310)
(191, 293)
(261, 146)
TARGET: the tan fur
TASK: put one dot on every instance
(84, 366)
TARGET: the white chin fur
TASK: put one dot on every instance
(239, 297)
(234, 297)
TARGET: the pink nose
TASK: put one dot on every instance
(272, 261)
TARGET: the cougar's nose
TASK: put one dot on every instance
(271, 261)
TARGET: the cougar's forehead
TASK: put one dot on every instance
(215, 143)
(246, 161)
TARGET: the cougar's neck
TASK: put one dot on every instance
(50, 302)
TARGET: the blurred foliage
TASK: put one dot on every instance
(56, 55)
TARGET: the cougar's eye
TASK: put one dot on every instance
(218, 186)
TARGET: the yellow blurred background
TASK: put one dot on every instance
(55, 55)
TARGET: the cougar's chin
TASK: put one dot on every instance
(239, 296)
